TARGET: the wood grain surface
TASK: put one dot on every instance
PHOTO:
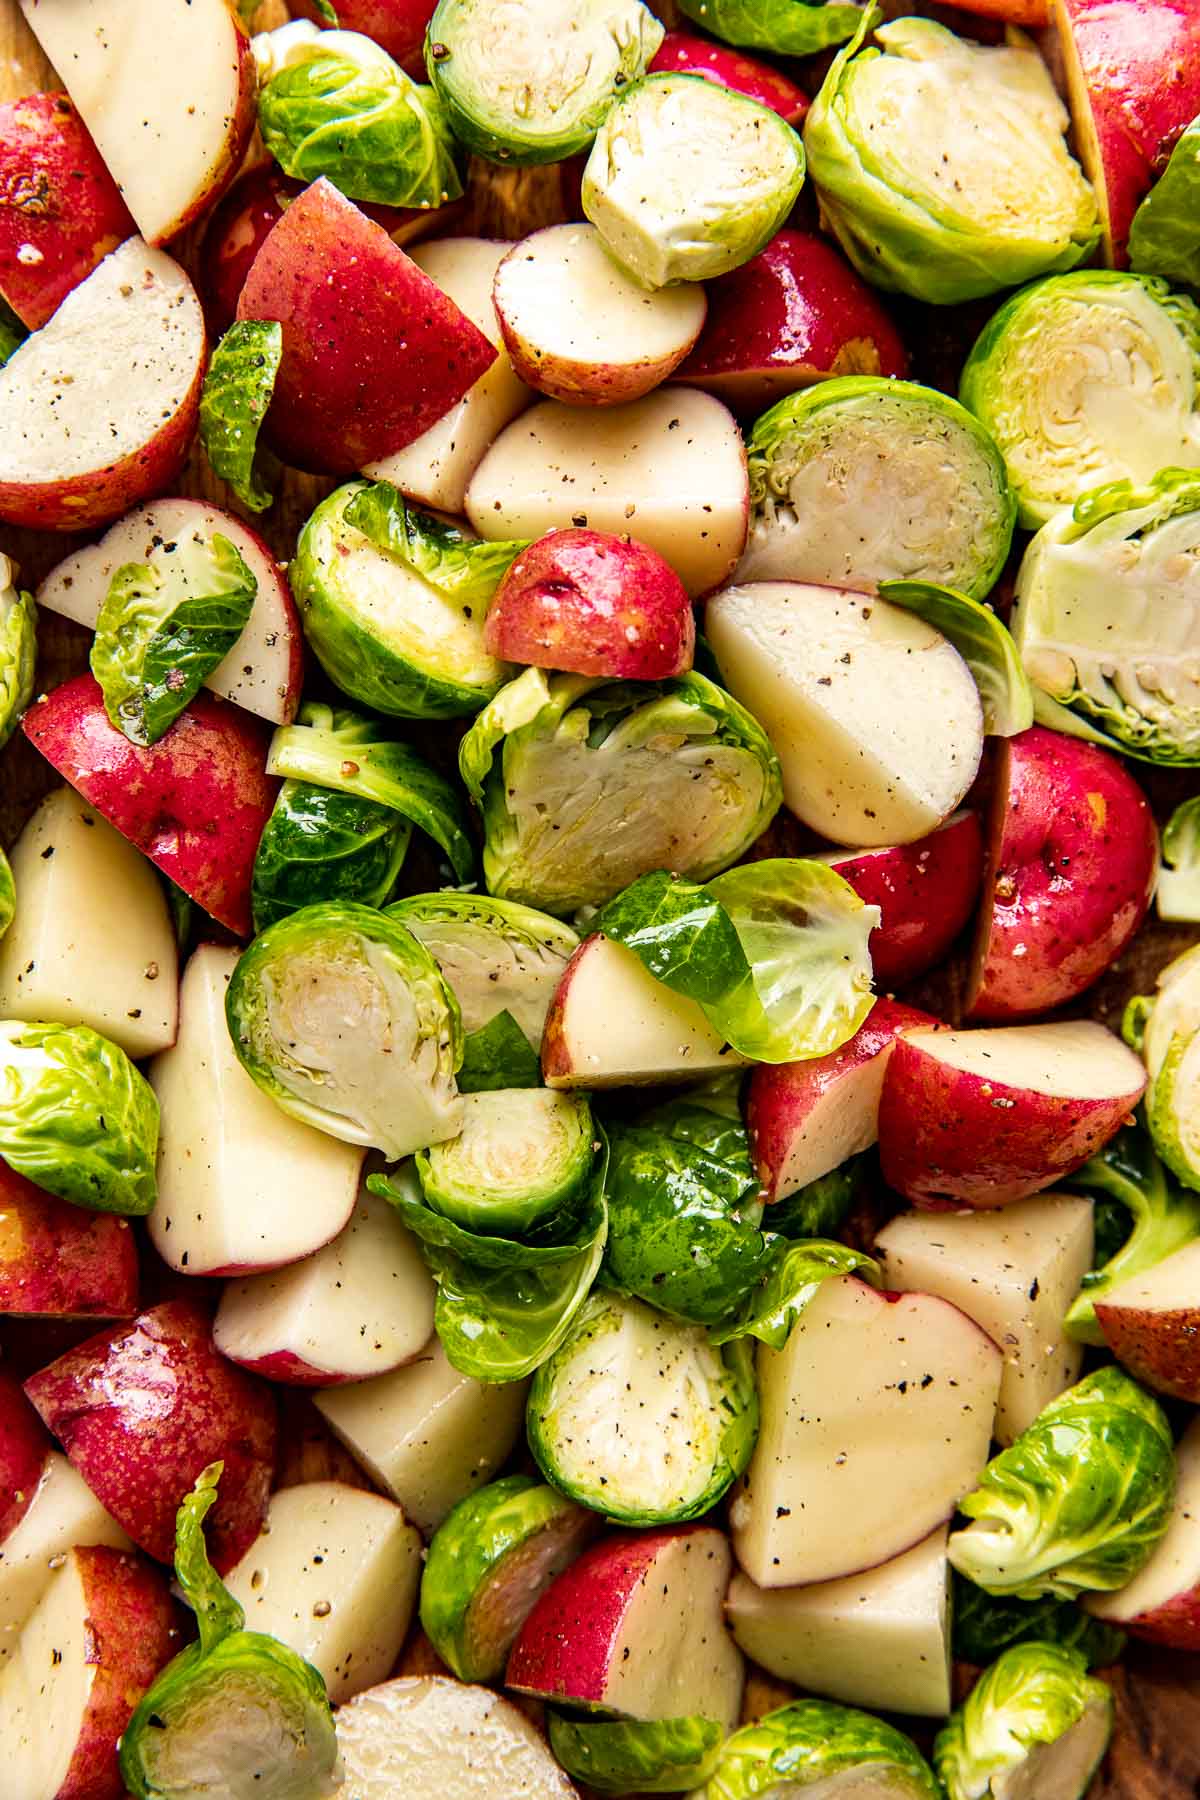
(1155, 1753)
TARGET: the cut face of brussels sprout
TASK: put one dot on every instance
(861, 480)
(1034, 1727)
(497, 956)
(1086, 380)
(322, 845)
(820, 1751)
(655, 1756)
(531, 83)
(521, 1158)
(1177, 895)
(687, 180)
(343, 1019)
(18, 649)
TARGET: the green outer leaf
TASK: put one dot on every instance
(813, 1741)
(8, 894)
(780, 27)
(1164, 237)
(1177, 895)
(682, 936)
(237, 391)
(18, 650)
(655, 1756)
(1170, 1104)
(498, 1055)
(985, 645)
(1056, 717)
(12, 332)
(320, 844)
(402, 1189)
(552, 1136)
(986, 1624)
(792, 1279)
(218, 1614)
(1033, 1695)
(697, 1118)
(819, 1209)
(449, 559)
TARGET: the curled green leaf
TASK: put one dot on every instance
(233, 404)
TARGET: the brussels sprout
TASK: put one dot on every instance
(343, 1019)
(986, 1624)
(781, 27)
(1034, 1727)
(322, 845)
(1177, 894)
(531, 83)
(1165, 1030)
(12, 332)
(18, 649)
(334, 103)
(233, 404)
(521, 1158)
(8, 894)
(791, 1279)
(639, 1417)
(688, 180)
(775, 952)
(655, 1756)
(236, 1713)
(699, 1117)
(488, 1564)
(1078, 1503)
(821, 1208)
(812, 1746)
(334, 748)
(76, 1117)
(1087, 380)
(393, 603)
(585, 785)
(860, 480)
(497, 956)
(942, 167)
(985, 645)
(1164, 236)
(163, 626)
(498, 1055)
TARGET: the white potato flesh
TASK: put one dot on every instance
(429, 1738)
(92, 942)
(833, 1485)
(1174, 1567)
(584, 330)
(842, 1119)
(46, 1686)
(1169, 1286)
(160, 86)
(427, 1434)
(1015, 1270)
(63, 1512)
(874, 716)
(108, 373)
(669, 469)
(263, 670)
(359, 1307)
(334, 1576)
(241, 1184)
(880, 1639)
(1075, 1060)
(436, 467)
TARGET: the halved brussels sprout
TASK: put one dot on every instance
(793, 1276)
(236, 1713)
(393, 603)
(639, 1417)
(653, 1756)
(8, 894)
(687, 180)
(780, 27)
(233, 404)
(1079, 1502)
(531, 82)
(585, 785)
(1165, 1028)
(1164, 237)
(942, 166)
(1177, 893)
(18, 649)
(343, 1019)
(1085, 380)
(498, 956)
(12, 332)
(861, 480)
(321, 845)
(983, 642)
(815, 1748)
(1034, 1727)
(986, 1624)
(522, 1158)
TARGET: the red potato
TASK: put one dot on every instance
(373, 351)
(1162, 1602)
(399, 25)
(926, 892)
(24, 1447)
(1071, 866)
(58, 1261)
(1152, 1324)
(142, 1408)
(61, 212)
(1028, 14)
(100, 405)
(982, 1118)
(594, 604)
(684, 53)
(804, 1118)
(195, 803)
(791, 316)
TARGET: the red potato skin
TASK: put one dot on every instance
(23, 1449)
(593, 604)
(292, 1370)
(1175, 1624)
(1160, 1347)
(374, 352)
(58, 1261)
(399, 25)
(793, 315)
(926, 892)
(195, 803)
(1072, 862)
(1029, 14)
(61, 212)
(685, 53)
(142, 1408)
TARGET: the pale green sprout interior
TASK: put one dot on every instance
(1177, 895)
(515, 1144)
(241, 1738)
(18, 649)
(505, 958)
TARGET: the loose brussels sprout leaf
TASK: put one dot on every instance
(163, 626)
(653, 1756)
(812, 1744)
(8, 894)
(1177, 894)
(688, 180)
(986, 1624)
(402, 1189)
(639, 1416)
(334, 748)
(780, 27)
(1086, 380)
(334, 103)
(236, 1713)
(1164, 237)
(498, 956)
(532, 83)
(18, 649)
(985, 645)
(343, 1019)
(1079, 1502)
(76, 1117)
(1107, 616)
(820, 1209)
(323, 845)
(498, 1055)
(1035, 1723)
(942, 166)
(183, 911)
(698, 1118)
(585, 785)
(396, 620)
(522, 1157)
(792, 1278)
(12, 333)
(233, 404)
(860, 480)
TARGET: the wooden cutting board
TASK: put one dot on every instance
(1156, 1749)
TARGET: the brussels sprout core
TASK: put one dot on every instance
(522, 1156)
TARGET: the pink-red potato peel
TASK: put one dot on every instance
(23, 1449)
(685, 53)
(925, 891)
(61, 1261)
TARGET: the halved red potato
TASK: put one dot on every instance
(399, 25)
(685, 53)
(62, 1511)
(24, 1447)
(1162, 1602)
(59, 1261)
(1151, 1323)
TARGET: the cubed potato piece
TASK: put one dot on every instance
(63, 1512)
